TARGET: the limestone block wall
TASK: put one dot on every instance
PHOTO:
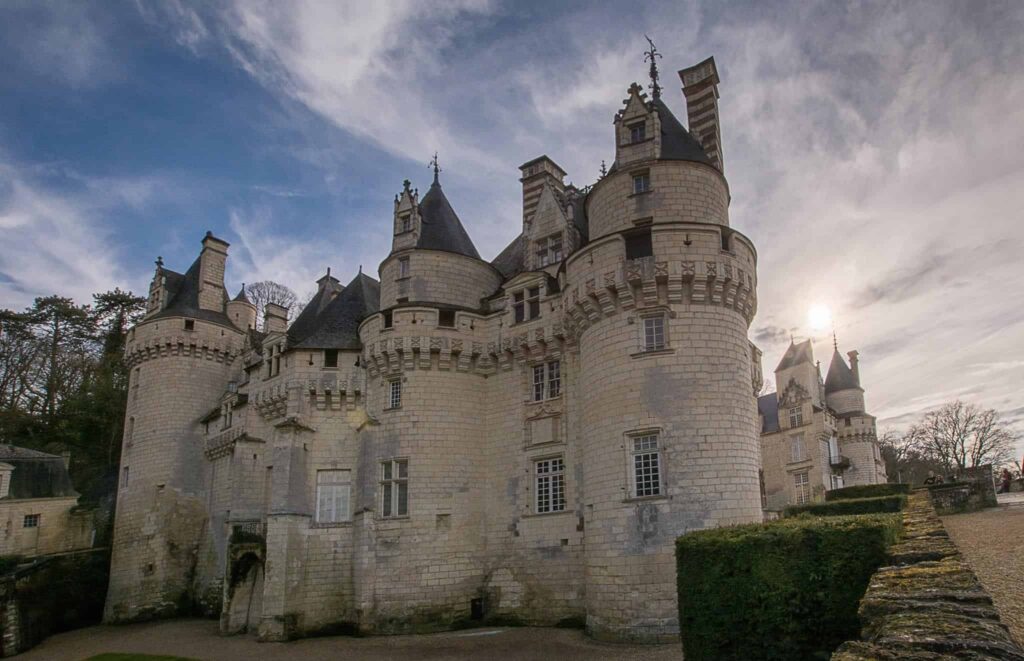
(175, 377)
(846, 401)
(58, 530)
(679, 192)
(437, 277)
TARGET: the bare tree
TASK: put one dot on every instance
(268, 291)
(960, 436)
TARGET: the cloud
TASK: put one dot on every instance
(767, 335)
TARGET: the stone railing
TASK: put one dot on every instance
(928, 604)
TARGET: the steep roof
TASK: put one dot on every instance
(441, 228)
(677, 144)
(796, 354)
(306, 323)
(509, 261)
(241, 296)
(36, 474)
(768, 406)
(840, 376)
(183, 297)
(337, 324)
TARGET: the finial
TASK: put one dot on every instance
(159, 262)
(604, 169)
(835, 342)
(406, 184)
(360, 269)
(328, 271)
(433, 164)
(651, 56)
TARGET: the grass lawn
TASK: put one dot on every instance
(118, 656)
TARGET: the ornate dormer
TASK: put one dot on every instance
(637, 129)
(157, 289)
(407, 218)
(549, 234)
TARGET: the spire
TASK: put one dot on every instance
(241, 295)
(437, 168)
(835, 341)
(651, 56)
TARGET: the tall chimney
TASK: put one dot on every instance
(275, 318)
(700, 87)
(854, 364)
(212, 261)
(535, 173)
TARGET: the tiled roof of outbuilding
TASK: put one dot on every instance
(36, 474)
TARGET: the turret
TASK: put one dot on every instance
(842, 386)
(241, 311)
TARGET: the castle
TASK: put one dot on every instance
(514, 440)
(816, 434)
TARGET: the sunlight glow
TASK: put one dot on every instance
(819, 317)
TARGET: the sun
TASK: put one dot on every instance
(819, 317)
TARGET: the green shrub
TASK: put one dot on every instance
(867, 491)
(878, 505)
(783, 590)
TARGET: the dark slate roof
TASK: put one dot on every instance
(183, 297)
(440, 227)
(337, 325)
(241, 296)
(768, 406)
(579, 216)
(677, 144)
(306, 323)
(509, 261)
(36, 474)
(840, 376)
(796, 354)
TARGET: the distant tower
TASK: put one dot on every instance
(181, 359)
(660, 301)
(855, 428)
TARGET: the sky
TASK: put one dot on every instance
(873, 151)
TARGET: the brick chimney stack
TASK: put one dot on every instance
(700, 87)
(854, 364)
(275, 318)
(212, 261)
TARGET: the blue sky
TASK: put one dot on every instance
(873, 151)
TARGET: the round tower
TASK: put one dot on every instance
(424, 389)
(660, 301)
(181, 359)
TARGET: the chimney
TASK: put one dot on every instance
(211, 273)
(700, 87)
(535, 173)
(275, 318)
(854, 364)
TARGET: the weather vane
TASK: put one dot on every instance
(651, 56)
(433, 164)
(604, 169)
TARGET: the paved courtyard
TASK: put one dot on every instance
(198, 639)
(993, 543)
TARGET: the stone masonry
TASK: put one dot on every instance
(518, 440)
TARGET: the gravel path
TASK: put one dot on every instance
(992, 541)
(199, 639)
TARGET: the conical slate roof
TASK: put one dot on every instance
(796, 354)
(441, 228)
(183, 296)
(241, 297)
(677, 144)
(336, 326)
(840, 376)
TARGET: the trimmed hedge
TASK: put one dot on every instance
(783, 590)
(878, 505)
(867, 491)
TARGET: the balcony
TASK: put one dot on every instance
(839, 462)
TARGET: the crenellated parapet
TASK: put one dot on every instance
(222, 350)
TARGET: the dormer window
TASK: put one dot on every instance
(638, 132)
(405, 223)
(641, 183)
(526, 304)
(549, 250)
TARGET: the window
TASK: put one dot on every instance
(395, 394)
(646, 466)
(641, 183)
(833, 450)
(403, 267)
(547, 380)
(836, 481)
(31, 521)
(446, 318)
(131, 429)
(330, 358)
(405, 223)
(654, 333)
(389, 320)
(802, 486)
(124, 477)
(333, 492)
(549, 250)
(796, 416)
(638, 132)
(638, 245)
(190, 324)
(796, 448)
(550, 485)
(526, 304)
(394, 483)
